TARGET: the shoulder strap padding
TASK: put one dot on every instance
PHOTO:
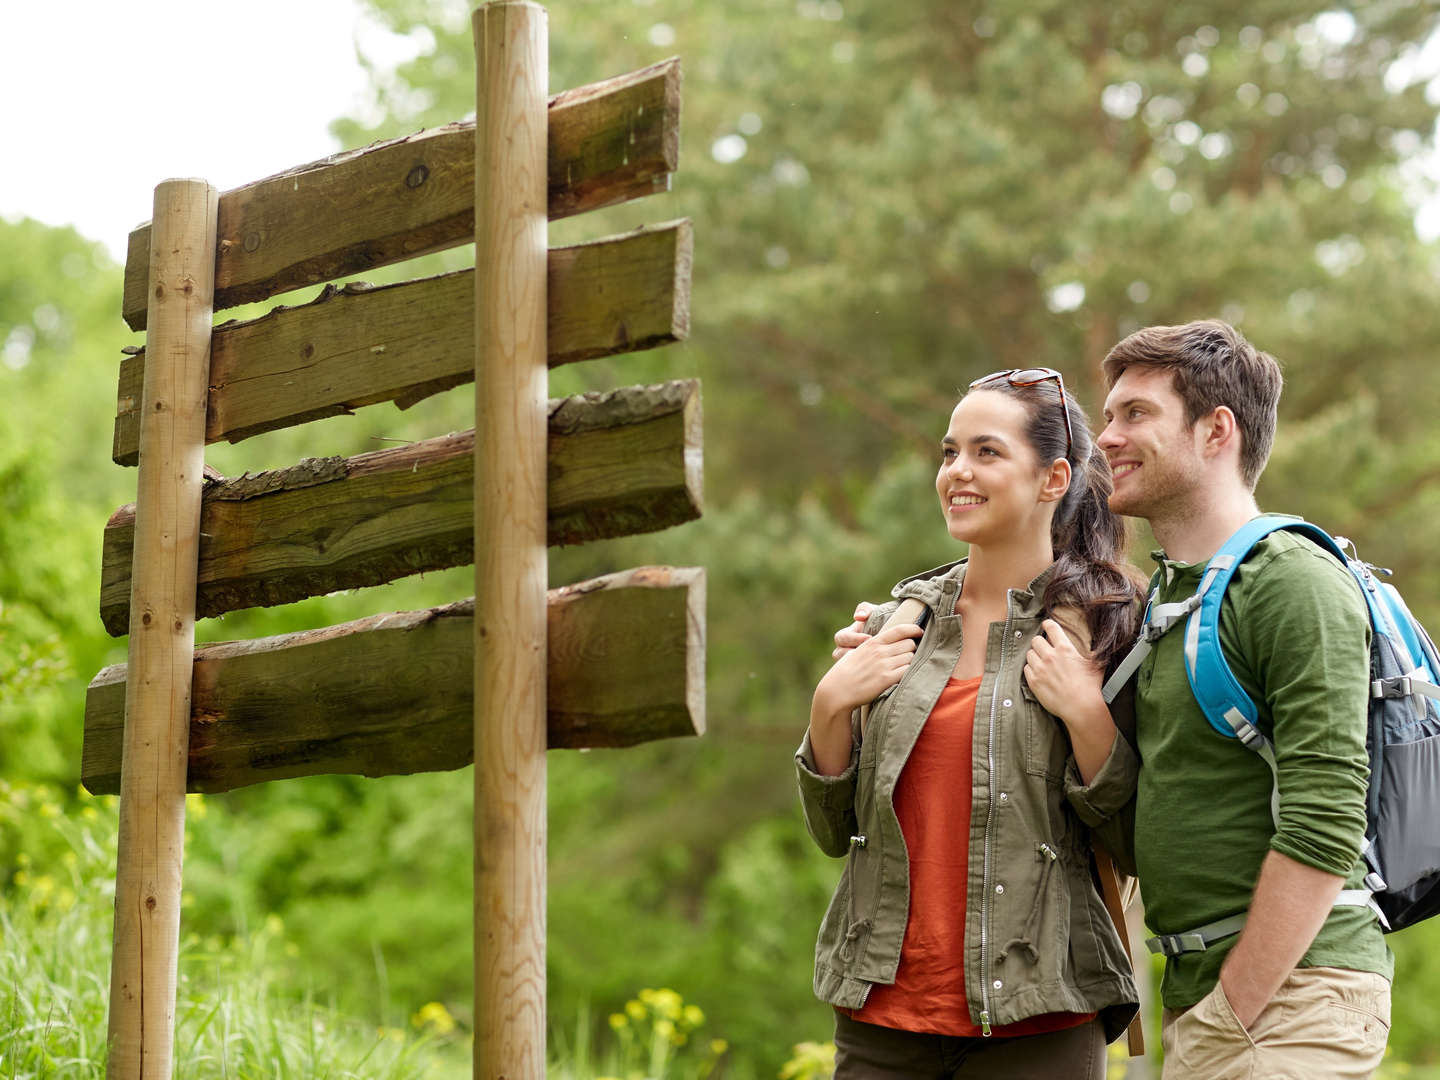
(1213, 683)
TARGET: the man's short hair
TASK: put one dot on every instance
(1213, 365)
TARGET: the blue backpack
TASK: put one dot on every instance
(1402, 831)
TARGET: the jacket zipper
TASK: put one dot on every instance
(989, 834)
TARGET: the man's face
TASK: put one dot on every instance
(1153, 453)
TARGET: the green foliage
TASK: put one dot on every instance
(241, 1010)
(889, 200)
(811, 1061)
(59, 331)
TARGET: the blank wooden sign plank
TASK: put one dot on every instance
(392, 693)
(362, 344)
(620, 462)
(608, 142)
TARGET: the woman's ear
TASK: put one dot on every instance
(1057, 481)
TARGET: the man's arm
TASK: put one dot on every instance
(1290, 904)
(1306, 639)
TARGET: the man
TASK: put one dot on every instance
(1303, 989)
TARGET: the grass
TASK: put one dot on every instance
(238, 1013)
(242, 1010)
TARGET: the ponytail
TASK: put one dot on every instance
(1089, 541)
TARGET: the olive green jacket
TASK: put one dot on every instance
(1035, 920)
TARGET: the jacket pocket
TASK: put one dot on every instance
(1095, 946)
(1032, 932)
(835, 927)
(1047, 746)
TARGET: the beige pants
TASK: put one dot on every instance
(1322, 1022)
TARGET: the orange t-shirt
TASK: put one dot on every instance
(932, 801)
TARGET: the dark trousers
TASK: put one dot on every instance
(870, 1052)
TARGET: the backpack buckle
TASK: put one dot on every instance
(1393, 688)
(1176, 944)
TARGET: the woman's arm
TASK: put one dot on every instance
(1104, 766)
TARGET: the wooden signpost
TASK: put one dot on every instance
(496, 680)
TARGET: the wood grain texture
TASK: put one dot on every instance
(392, 694)
(161, 621)
(618, 462)
(361, 344)
(608, 142)
(511, 64)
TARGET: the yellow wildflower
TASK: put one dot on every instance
(434, 1015)
(668, 1004)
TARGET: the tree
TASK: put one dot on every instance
(60, 336)
(892, 199)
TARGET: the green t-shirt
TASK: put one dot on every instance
(1294, 629)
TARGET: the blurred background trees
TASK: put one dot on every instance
(889, 200)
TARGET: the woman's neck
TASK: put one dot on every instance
(991, 573)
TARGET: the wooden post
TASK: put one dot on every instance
(162, 631)
(511, 46)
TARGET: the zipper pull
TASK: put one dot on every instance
(985, 1023)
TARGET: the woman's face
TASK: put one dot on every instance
(992, 488)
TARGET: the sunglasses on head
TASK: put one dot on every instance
(1033, 376)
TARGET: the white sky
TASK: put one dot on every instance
(100, 100)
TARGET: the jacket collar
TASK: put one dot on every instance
(931, 587)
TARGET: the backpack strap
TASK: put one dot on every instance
(1202, 937)
(1153, 627)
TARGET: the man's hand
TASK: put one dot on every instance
(854, 635)
(1290, 904)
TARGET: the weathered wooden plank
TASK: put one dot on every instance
(392, 693)
(620, 462)
(611, 141)
(363, 344)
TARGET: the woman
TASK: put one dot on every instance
(966, 936)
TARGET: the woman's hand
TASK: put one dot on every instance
(865, 671)
(1068, 684)
(860, 675)
(1058, 672)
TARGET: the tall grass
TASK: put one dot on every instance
(242, 1011)
(239, 1014)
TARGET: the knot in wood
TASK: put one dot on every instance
(417, 176)
(252, 240)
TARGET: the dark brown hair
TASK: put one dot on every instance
(1213, 365)
(1089, 539)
